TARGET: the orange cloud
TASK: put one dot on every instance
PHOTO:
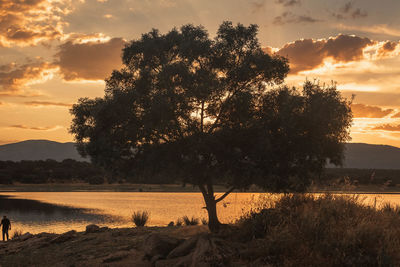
(46, 103)
(36, 128)
(397, 115)
(89, 60)
(30, 22)
(13, 76)
(388, 127)
(365, 111)
(308, 54)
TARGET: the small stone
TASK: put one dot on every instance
(183, 249)
(92, 228)
(116, 257)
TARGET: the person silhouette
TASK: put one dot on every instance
(6, 224)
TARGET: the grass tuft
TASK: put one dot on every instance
(140, 218)
(179, 222)
(17, 233)
(190, 221)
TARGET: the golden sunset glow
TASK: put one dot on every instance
(53, 52)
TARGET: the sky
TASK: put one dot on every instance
(53, 52)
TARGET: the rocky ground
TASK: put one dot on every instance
(144, 246)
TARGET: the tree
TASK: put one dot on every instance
(202, 110)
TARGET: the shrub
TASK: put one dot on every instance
(204, 221)
(140, 218)
(17, 233)
(95, 180)
(387, 207)
(327, 230)
(191, 221)
(179, 222)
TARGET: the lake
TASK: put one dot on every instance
(57, 212)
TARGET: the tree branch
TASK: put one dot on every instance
(225, 195)
(202, 117)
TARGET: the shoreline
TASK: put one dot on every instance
(177, 188)
(97, 246)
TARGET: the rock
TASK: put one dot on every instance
(156, 258)
(183, 249)
(92, 228)
(116, 256)
(158, 244)
(211, 251)
(176, 262)
(64, 237)
(25, 236)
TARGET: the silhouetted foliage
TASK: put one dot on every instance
(202, 111)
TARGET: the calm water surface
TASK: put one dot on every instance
(59, 212)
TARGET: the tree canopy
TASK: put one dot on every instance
(206, 111)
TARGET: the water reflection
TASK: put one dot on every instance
(37, 216)
(63, 211)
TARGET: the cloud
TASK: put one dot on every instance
(349, 11)
(289, 17)
(29, 22)
(388, 127)
(13, 77)
(366, 111)
(289, 2)
(375, 98)
(36, 128)
(397, 115)
(387, 47)
(307, 54)
(46, 103)
(381, 29)
(89, 60)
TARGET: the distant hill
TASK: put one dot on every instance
(358, 155)
(39, 150)
(367, 156)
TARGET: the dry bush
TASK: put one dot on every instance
(327, 230)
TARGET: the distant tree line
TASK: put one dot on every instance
(50, 171)
(338, 176)
(72, 171)
(67, 171)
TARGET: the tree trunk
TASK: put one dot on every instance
(211, 206)
(213, 222)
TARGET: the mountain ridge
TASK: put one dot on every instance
(357, 155)
(39, 150)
